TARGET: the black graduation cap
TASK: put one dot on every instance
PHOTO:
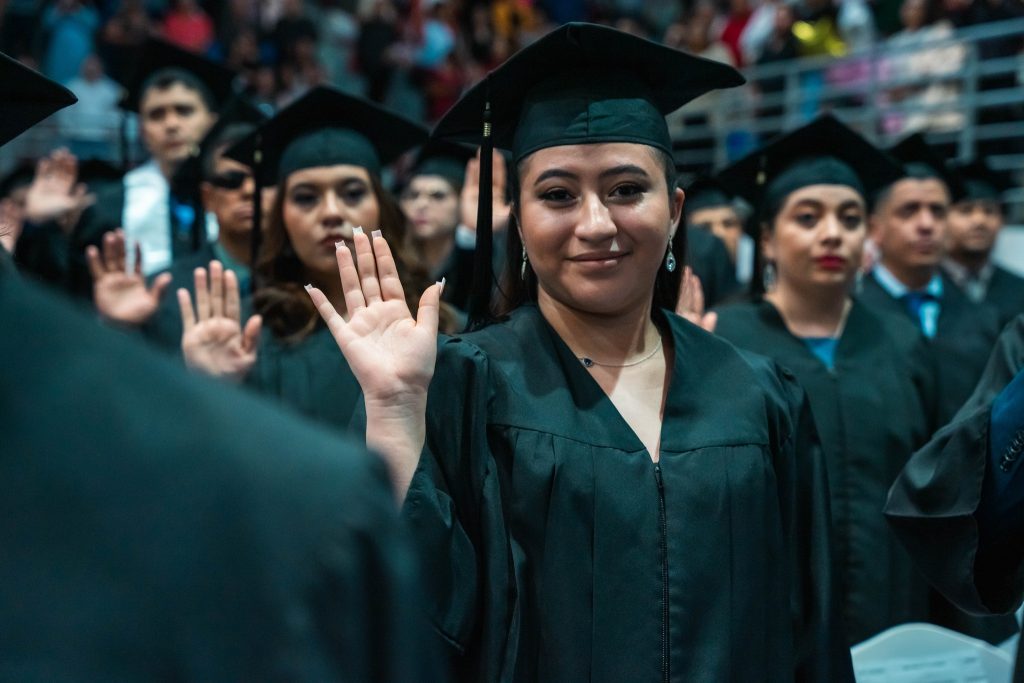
(155, 55)
(584, 83)
(238, 110)
(29, 97)
(326, 127)
(581, 83)
(706, 193)
(443, 158)
(824, 151)
(921, 161)
(98, 171)
(983, 182)
(20, 176)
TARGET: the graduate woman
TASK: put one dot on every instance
(601, 490)
(325, 153)
(871, 389)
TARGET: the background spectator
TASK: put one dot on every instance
(89, 127)
(68, 28)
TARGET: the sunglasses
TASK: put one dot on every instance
(230, 180)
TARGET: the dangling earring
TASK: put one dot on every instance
(670, 260)
(522, 268)
(769, 276)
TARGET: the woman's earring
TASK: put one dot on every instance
(769, 276)
(670, 260)
(522, 268)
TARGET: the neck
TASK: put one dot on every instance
(332, 289)
(435, 250)
(167, 168)
(973, 261)
(238, 245)
(914, 277)
(810, 311)
(608, 339)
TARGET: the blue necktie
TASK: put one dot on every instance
(915, 301)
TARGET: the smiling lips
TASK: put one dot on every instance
(600, 257)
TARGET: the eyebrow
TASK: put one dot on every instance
(613, 171)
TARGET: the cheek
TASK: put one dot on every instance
(366, 213)
(298, 224)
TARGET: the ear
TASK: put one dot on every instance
(205, 194)
(678, 199)
(874, 227)
(768, 243)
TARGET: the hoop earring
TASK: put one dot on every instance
(670, 260)
(769, 276)
(522, 268)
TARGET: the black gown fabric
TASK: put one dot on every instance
(962, 343)
(556, 550)
(871, 411)
(164, 329)
(310, 376)
(1006, 294)
(157, 526)
(933, 504)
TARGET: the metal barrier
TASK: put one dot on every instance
(968, 105)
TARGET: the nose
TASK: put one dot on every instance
(248, 188)
(332, 213)
(831, 230)
(595, 223)
(926, 221)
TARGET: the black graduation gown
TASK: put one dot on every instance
(556, 550)
(933, 504)
(165, 329)
(871, 411)
(1006, 293)
(709, 259)
(156, 526)
(310, 377)
(962, 343)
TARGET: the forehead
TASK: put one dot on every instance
(713, 213)
(829, 195)
(430, 183)
(222, 163)
(174, 95)
(923, 190)
(328, 175)
(592, 158)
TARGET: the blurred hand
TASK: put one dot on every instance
(55, 193)
(11, 224)
(500, 207)
(214, 340)
(119, 295)
(691, 302)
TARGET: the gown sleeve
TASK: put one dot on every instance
(454, 510)
(944, 506)
(820, 642)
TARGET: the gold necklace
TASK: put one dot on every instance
(590, 362)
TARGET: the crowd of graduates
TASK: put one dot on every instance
(637, 428)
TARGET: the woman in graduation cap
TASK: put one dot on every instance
(868, 378)
(325, 154)
(602, 491)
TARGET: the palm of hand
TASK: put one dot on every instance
(216, 346)
(387, 352)
(50, 197)
(124, 297)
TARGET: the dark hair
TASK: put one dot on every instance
(281, 298)
(515, 291)
(163, 79)
(229, 135)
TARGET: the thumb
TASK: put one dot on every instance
(710, 321)
(429, 311)
(251, 333)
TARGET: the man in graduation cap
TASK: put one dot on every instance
(177, 96)
(974, 224)
(227, 190)
(156, 526)
(909, 225)
(714, 229)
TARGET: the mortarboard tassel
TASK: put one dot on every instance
(479, 308)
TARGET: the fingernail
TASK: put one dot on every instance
(309, 288)
(442, 283)
(357, 231)
(339, 245)
(376, 233)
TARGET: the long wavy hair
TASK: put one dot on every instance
(516, 290)
(280, 276)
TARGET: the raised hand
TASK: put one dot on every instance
(214, 340)
(691, 302)
(500, 207)
(391, 353)
(55, 193)
(11, 224)
(121, 295)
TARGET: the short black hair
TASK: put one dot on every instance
(163, 79)
(221, 140)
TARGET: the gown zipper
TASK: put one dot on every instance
(663, 524)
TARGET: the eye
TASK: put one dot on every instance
(184, 109)
(852, 220)
(304, 198)
(939, 211)
(438, 196)
(807, 219)
(156, 114)
(628, 190)
(354, 194)
(556, 195)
